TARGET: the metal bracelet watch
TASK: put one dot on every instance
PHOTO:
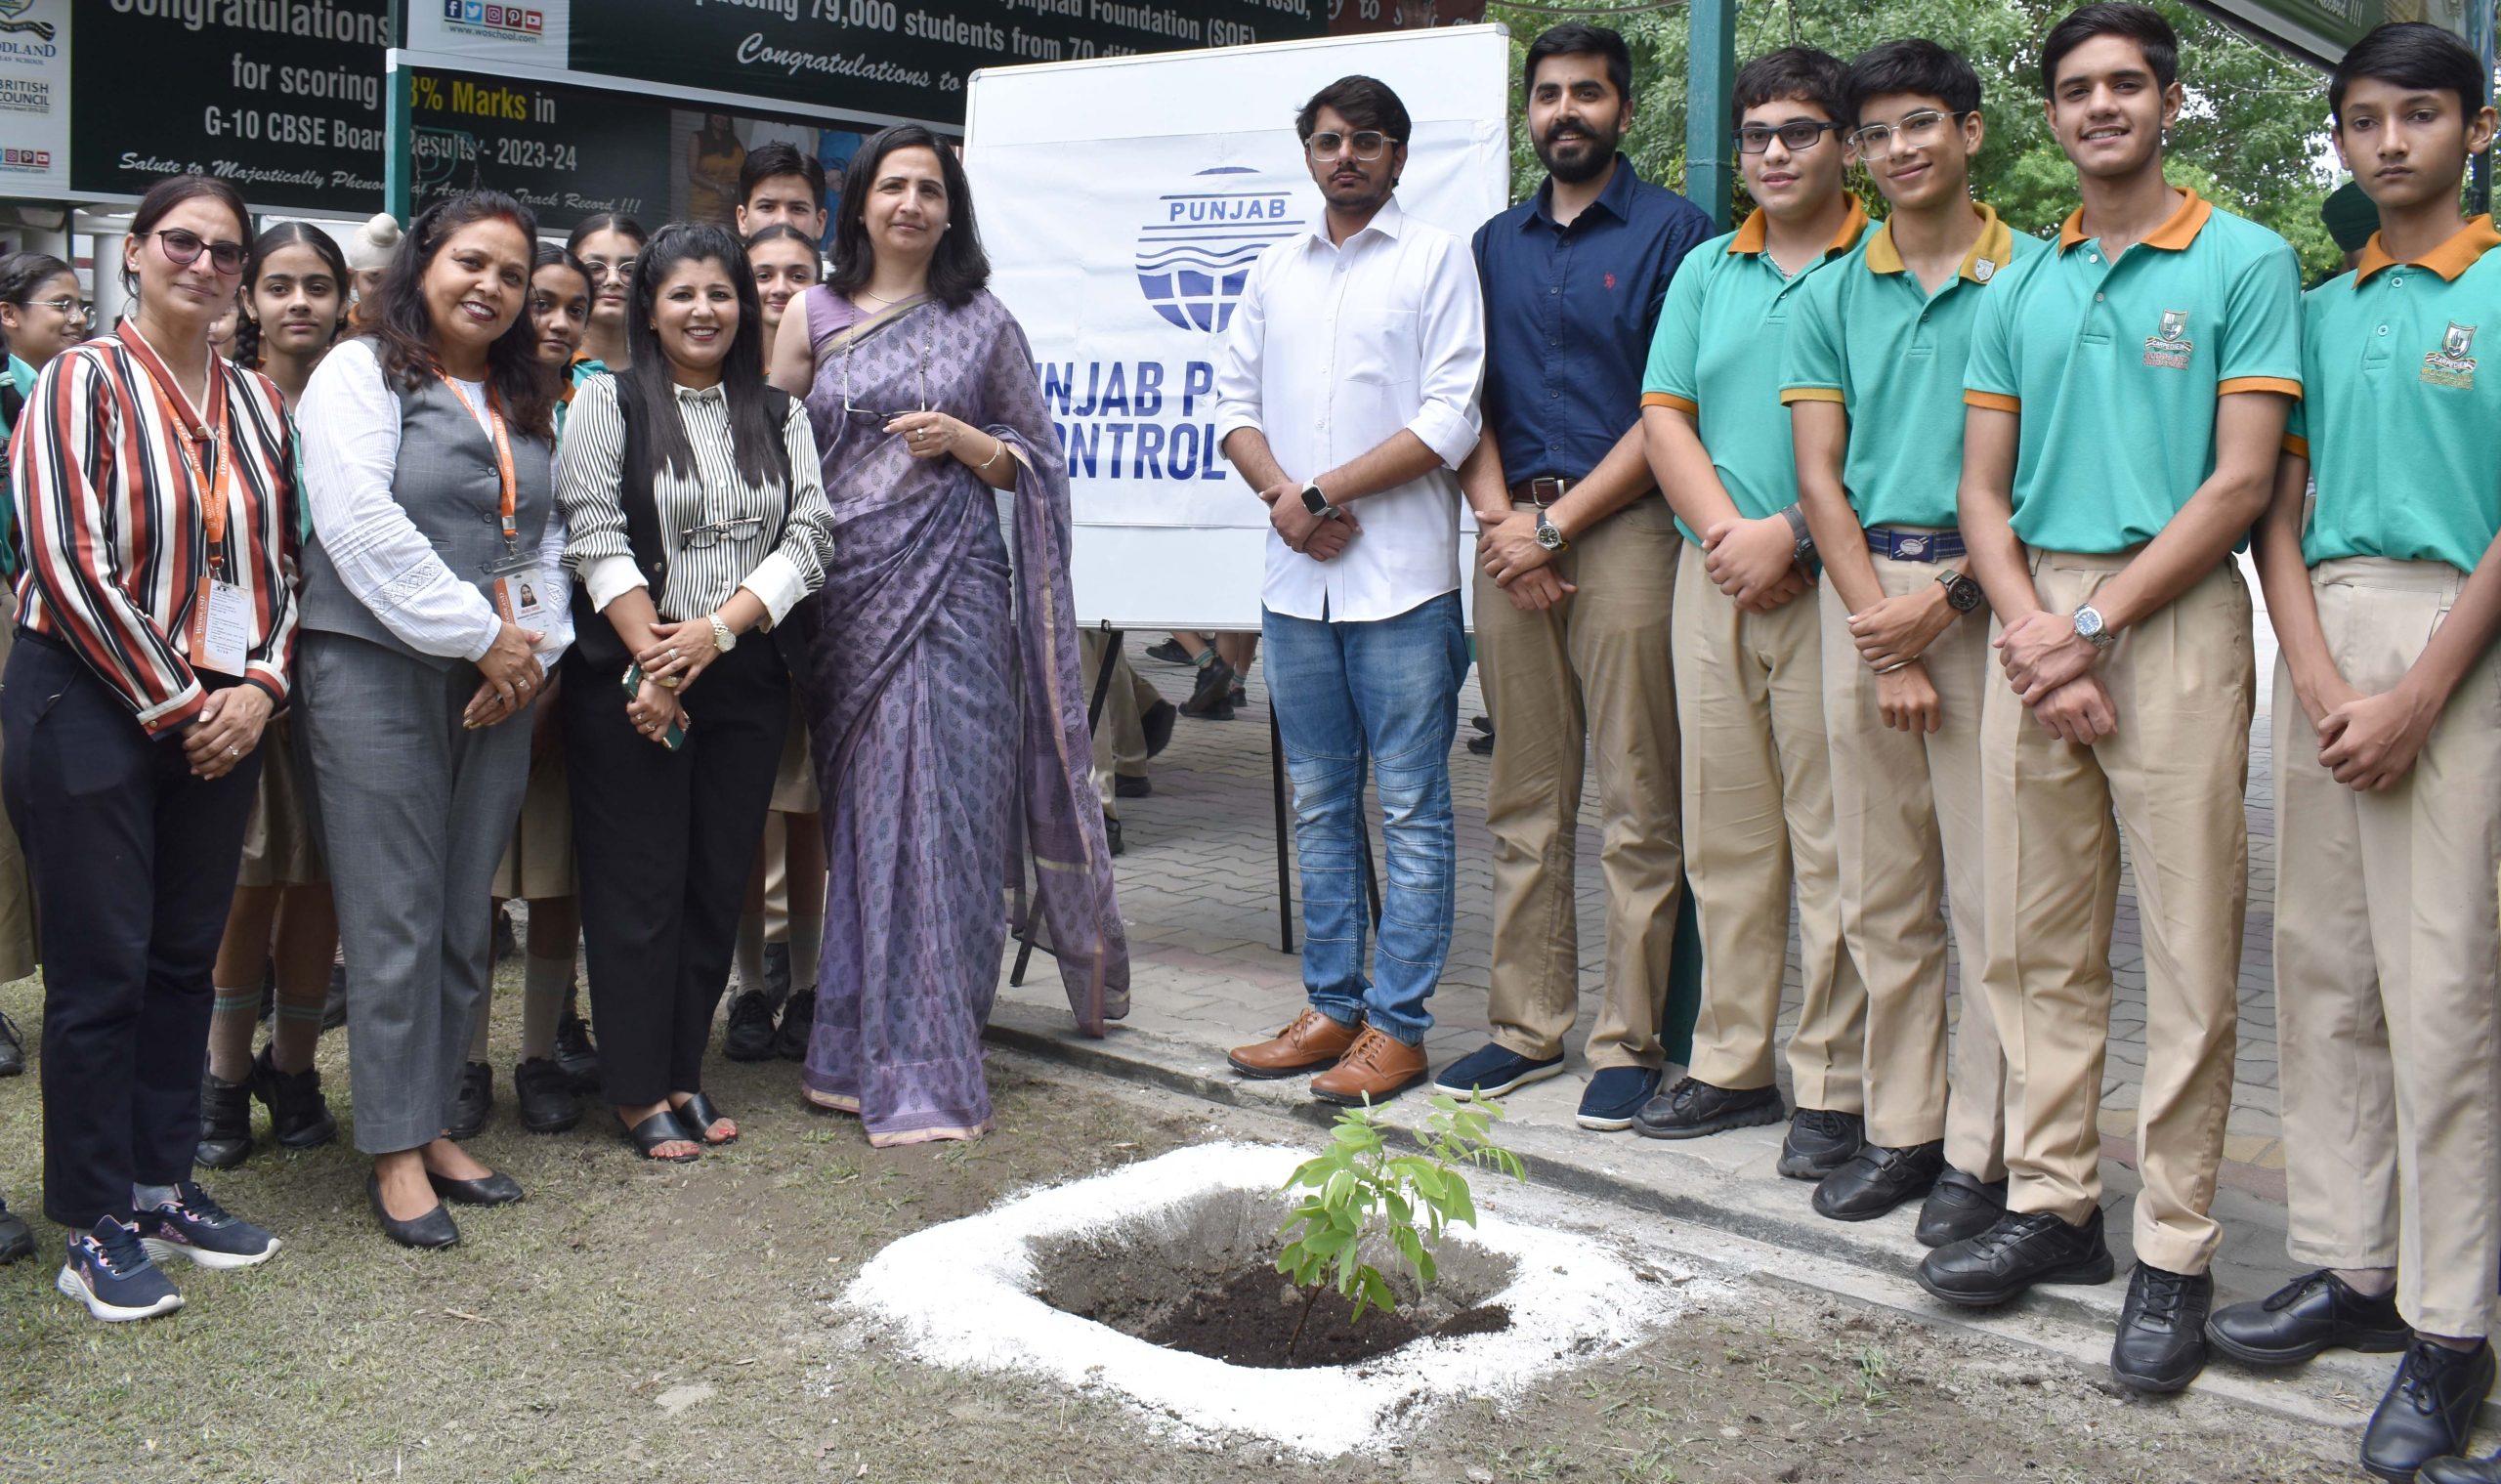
(1316, 502)
(724, 638)
(1549, 536)
(1962, 593)
(1802, 540)
(2089, 627)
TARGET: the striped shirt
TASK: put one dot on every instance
(115, 545)
(716, 529)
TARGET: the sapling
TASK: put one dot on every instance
(1360, 1195)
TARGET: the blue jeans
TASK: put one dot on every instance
(1385, 691)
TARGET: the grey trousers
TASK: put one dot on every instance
(415, 810)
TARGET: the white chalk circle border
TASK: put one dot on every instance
(960, 1295)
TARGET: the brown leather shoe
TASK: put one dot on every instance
(1312, 1043)
(1377, 1067)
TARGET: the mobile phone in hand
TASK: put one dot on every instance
(676, 737)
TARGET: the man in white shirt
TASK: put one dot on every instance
(1347, 399)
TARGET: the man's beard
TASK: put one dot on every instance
(1590, 166)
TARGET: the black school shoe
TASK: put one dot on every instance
(17, 1239)
(1212, 700)
(798, 1023)
(225, 1123)
(2429, 1409)
(2022, 1249)
(1156, 721)
(470, 1104)
(749, 1037)
(546, 1096)
(1819, 1141)
(1962, 1205)
(1876, 1180)
(2314, 1312)
(299, 1114)
(13, 1048)
(1170, 652)
(575, 1054)
(1694, 1108)
(2162, 1330)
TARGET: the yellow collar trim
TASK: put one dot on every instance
(2450, 259)
(1754, 237)
(2174, 234)
(1993, 251)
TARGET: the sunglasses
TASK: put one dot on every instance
(182, 248)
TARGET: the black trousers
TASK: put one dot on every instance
(134, 862)
(662, 845)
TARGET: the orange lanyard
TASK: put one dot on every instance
(215, 495)
(503, 456)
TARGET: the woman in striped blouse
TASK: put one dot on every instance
(156, 620)
(698, 516)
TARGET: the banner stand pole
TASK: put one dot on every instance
(1285, 869)
(1025, 936)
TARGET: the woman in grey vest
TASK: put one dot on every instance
(431, 604)
(700, 522)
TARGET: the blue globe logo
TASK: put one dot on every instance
(1195, 253)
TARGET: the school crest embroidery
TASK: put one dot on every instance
(1982, 270)
(2170, 347)
(2451, 365)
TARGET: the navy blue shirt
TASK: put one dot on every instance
(1569, 312)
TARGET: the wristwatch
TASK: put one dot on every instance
(1548, 536)
(1316, 502)
(1962, 593)
(1803, 539)
(2088, 626)
(724, 638)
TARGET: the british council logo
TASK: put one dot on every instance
(1195, 253)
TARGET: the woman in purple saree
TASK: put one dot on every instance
(943, 701)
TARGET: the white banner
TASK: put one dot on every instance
(536, 33)
(1123, 249)
(34, 98)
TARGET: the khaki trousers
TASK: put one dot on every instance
(1906, 815)
(2181, 682)
(1758, 819)
(1590, 673)
(2386, 935)
(1119, 740)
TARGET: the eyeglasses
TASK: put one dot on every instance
(1916, 130)
(928, 343)
(603, 271)
(1796, 135)
(68, 309)
(704, 537)
(183, 249)
(1367, 144)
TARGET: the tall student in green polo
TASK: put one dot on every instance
(1750, 693)
(2127, 394)
(1874, 383)
(2386, 595)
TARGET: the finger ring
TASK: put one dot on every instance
(233, 752)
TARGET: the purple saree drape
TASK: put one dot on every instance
(941, 696)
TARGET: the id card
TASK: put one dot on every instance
(222, 630)
(519, 591)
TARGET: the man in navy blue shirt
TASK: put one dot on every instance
(1577, 563)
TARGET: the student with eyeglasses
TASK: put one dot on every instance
(156, 622)
(428, 452)
(698, 525)
(1748, 650)
(608, 244)
(934, 688)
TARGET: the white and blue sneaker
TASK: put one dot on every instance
(108, 1272)
(1492, 1071)
(194, 1225)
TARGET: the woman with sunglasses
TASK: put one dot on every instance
(787, 265)
(538, 863)
(934, 688)
(156, 620)
(609, 245)
(429, 614)
(698, 525)
(295, 299)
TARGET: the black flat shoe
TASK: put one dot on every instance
(2162, 1330)
(663, 1127)
(701, 1113)
(470, 1104)
(430, 1232)
(2022, 1249)
(493, 1189)
(1872, 1182)
(1960, 1206)
(546, 1096)
(2429, 1409)
(299, 1114)
(2313, 1313)
(225, 1123)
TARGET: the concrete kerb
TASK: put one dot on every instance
(1734, 1195)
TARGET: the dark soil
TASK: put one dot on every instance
(1251, 1319)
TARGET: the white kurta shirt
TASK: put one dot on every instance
(1334, 349)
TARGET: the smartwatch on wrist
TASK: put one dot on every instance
(1316, 502)
(1802, 540)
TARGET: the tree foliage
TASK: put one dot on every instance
(2252, 136)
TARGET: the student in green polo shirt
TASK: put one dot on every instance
(2127, 393)
(1874, 383)
(2388, 781)
(1750, 699)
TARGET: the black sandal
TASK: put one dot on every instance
(663, 1127)
(705, 1113)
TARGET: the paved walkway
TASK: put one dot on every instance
(1199, 891)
